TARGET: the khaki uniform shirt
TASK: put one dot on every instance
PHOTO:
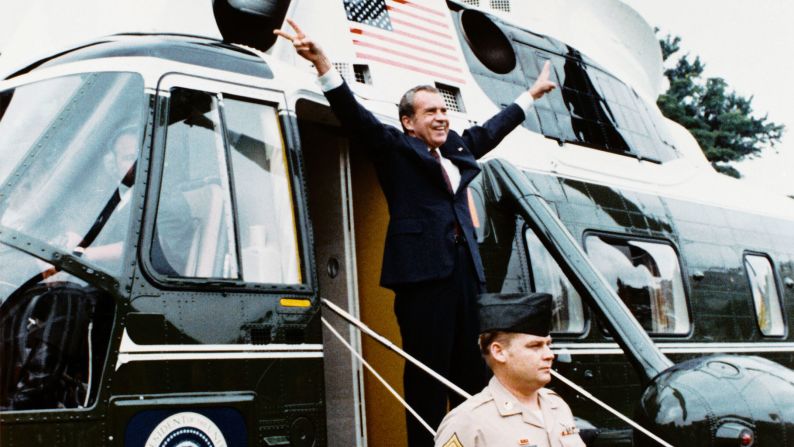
(495, 418)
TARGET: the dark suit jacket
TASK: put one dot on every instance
(420, 243)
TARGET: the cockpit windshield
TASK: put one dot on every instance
(69, 148)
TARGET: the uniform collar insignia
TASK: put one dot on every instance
(505, 401)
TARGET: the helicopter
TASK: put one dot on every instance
(174, 207)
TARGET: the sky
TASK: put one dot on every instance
(749, 44)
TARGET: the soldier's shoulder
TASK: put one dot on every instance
(552, 396)
(474, 403)
(461, 424)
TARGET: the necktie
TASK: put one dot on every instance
(437, 156)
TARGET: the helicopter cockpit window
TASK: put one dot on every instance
(194, 228)
(765, 295)
(224, 160)
(265, 214)
(647, 277)
(568, 313)
(69, 150)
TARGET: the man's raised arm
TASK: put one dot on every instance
(306, 47)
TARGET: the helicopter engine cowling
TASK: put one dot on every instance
(720, 400)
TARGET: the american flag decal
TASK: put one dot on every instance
(414, 35)
(369, 13)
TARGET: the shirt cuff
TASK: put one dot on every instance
(524, 100)
(330, 80)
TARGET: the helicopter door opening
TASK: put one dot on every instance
(326, 158)
(350, 217)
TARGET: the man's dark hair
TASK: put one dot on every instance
(406, 107)
(488, 338)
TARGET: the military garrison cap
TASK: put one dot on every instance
(515, 312)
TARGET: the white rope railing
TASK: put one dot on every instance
(384, 341)
(379, 377)
(605, 406)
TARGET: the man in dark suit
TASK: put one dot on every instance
(431, 259)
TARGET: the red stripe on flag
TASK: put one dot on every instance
(427, 30)
(417, 37)
(408, 67)
(422, 7)
(404, 43)
(406, 55)
(417, 16)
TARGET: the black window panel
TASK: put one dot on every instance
(608, 116)
(571, 99)
(581, 105)
(5, 100)
(566, 126)
(615, 140)
(576, 74)
(557, 102)
(548, 123)
(602, 85)
(589, 133)
(591, 107)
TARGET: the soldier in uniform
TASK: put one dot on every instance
(514, 409)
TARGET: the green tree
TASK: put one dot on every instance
(721, 120)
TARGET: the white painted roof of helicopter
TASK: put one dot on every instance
(690, 178)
